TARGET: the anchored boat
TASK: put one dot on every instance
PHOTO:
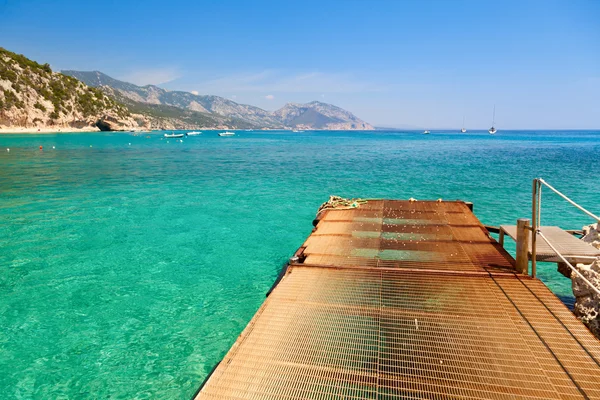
(493, 130)
(193, 133)
(173, 135)
(227, 134)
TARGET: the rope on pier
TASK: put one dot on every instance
(590, 284)
(340, 203)
(568, 199)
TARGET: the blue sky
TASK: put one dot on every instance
(393, 63)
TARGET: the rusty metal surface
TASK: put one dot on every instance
(456, 329)
(403, 234)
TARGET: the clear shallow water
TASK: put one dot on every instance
(127, 271)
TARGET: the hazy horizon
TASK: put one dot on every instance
(393, 64)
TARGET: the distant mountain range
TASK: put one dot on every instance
(203, 111)
(33, 97)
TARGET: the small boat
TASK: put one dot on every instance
(173, 135)
(426, 132)
(227, 133)
(194, 133)
(493, 130)
(463, 130)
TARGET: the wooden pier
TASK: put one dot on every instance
(408, 300)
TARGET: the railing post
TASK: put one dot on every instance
(534, 224)
(522, 245)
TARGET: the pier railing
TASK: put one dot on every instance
(523, 229)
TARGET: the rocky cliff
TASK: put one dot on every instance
(32, 95)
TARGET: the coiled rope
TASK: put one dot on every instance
(340, 203)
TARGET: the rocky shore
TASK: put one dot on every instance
(587, 301)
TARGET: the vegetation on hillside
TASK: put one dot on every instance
(165, 114)
(35, 85)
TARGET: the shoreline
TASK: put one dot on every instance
(20, 130)
(90, 129)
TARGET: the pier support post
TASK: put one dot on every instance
(523, 245)
(535, 221)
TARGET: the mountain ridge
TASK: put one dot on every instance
(35, 98)
(313, 115)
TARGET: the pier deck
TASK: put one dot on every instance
(398, 300)
(573, 249)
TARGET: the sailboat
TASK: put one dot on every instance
(493, 130)
(463, 130)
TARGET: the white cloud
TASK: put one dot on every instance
(274, 81)
(194, 92)
(269, 97)
(155, 76)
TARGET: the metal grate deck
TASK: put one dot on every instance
(403, 234)
(449, 331)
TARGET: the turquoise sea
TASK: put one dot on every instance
(129, 264)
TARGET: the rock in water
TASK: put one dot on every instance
(587, 301)
(110, 123)
(591, 235)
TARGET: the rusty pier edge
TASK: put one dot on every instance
(407, 299)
